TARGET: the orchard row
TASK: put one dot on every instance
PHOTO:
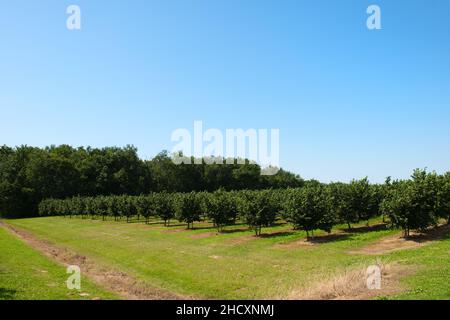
(415, 204)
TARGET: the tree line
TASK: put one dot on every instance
(29, 175)
(414, 204)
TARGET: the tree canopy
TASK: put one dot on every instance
(29, 175)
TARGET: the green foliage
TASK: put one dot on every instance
(187, 208)
(221, 208)
(257, 209)
(443, 197)
(164, 207)
(28, 175)
(145, 206)
(340, 203)
(309, 209)
(363, 204)
(413, 204)
(355, 202)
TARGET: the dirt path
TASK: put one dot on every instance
(113, 280)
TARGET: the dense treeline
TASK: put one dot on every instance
(29, 174)
(415, 204)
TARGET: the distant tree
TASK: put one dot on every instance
(165, 206)
(145, 206)
(257, 209)
(308, 209)
(363, 204)
(282, 179)
(221, 208)
(341, 203)
(104, 206)
(246, 176)
(187, 208)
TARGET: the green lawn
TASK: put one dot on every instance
(432, 281)
(235, 265)
(25, 274)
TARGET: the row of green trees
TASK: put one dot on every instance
(29, 175)
(414, 204)
(418, 203)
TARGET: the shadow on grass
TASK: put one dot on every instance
(226, 231)
(364, 229)
(174, 225)
(211, 226)
(436, 233)
(278, 224)
(204, 228)
(333, 237)
(7, 294)
(277, 234)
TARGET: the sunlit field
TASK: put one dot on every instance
(233, 264)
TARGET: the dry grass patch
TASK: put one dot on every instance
(241, 239)
(203, 235)
(312, 241)
(351, 285)
(172, 231)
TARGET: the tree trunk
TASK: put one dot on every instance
(349, 226)
(406, 232)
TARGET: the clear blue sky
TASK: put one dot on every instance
(349, 102)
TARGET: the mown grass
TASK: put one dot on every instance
(432, 280)
(26, 274)
(235, 264)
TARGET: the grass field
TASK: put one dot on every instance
(27, 275)
(233, 265)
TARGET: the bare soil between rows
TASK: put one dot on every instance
(398, 242)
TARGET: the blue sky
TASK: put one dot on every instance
(349, 102)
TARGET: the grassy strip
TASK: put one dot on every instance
(25, 274)
(235, 264)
